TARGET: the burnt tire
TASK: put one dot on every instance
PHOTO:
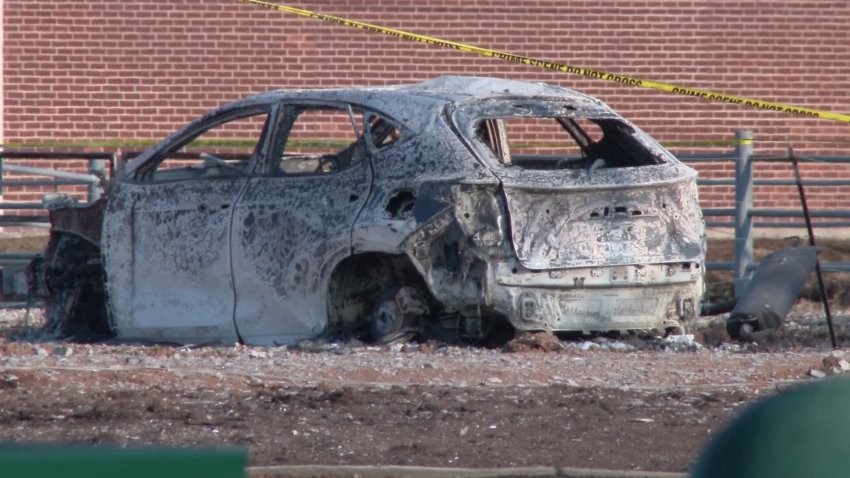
(396, 315)
(74, 281)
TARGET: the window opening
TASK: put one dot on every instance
(325, 139)
(225, 150)
(382, 132)
(563, 143)
(322, 140)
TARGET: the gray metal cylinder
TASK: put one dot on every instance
(774, 288)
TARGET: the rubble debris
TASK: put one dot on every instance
(62, 351)
(679, 343)
(534, 341)
(9, 381)
(836, 363)
(816, 373)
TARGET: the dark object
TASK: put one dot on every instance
(78, 461)
(804, 203)
(774, 288)
(797, 433)
(708, 309)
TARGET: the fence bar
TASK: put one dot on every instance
(794, 213)
(780, 224)
(38, 182)
(97, 168)
(806, 182)
(718, 212)
(15, 258)
(743, 205)
(63, 155)
(730, 266)
(775, 182)
(21, 205)
(706, 158)
(52, 173)
(37, 225)
(819, 159)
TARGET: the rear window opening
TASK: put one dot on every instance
(550, 143)
(326, 139)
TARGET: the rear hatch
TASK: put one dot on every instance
(583, 186)
(620, 218)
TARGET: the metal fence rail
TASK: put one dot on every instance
(97, 169)
(744, 214)
(33, 214)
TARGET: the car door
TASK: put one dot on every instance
(168, 256)
(293, 225)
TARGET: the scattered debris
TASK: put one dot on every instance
(258, 354)
(836, 363)
(816, 373)
(643, 420)
(9, 381)
(681, 343)
(535, 341)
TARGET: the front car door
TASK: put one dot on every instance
(167, 254)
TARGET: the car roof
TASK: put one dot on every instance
(415, 105)
(463, 89)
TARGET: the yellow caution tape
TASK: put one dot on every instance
(553, 66)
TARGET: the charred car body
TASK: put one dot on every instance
(444, 207)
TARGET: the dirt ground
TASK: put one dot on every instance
(606, 402)
(632, 404)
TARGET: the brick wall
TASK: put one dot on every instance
(105, 71)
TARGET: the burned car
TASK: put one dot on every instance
(446, 208)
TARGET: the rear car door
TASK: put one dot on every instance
(167, 256)
(293, 223)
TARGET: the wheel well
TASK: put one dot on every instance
(72, 283)
(358, 282)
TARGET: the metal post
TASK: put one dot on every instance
(116, 166)
(743, 205)
(805, 204)
(97, 167)
(120, 164)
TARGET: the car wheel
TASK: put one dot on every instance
(396, 315)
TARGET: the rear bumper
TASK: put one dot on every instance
(654, 296)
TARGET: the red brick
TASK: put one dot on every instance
(79, 69)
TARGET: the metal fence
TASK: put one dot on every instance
(17, 178)
(97, 169)
(744, 215)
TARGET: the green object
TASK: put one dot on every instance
(803, 432)
(57, 461)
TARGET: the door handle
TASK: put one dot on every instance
(208, 208)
